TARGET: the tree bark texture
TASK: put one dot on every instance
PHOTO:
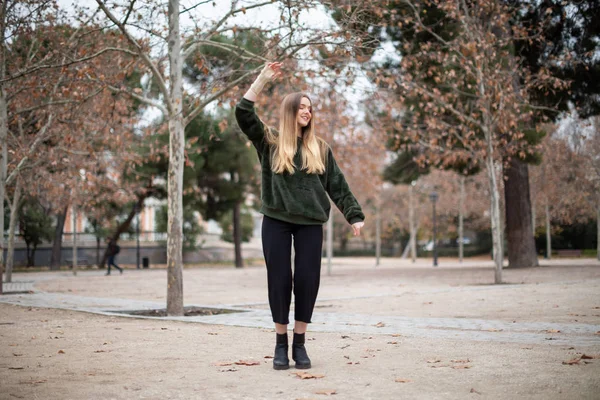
(3, 134)
(520, 240)
(58, 237)
(411, 222)
(461, 213)
(74, 219)
(176, 159)
(495, 219)
(548, 232)
(237, 236)
(14, 213)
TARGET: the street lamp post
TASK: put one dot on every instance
(433, 197)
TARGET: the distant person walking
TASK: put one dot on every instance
(298, 173)
(112, 251)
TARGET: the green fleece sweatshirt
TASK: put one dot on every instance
(299, 198)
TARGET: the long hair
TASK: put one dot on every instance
(285, 144)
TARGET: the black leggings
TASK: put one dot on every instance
(277, 248)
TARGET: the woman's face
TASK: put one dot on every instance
(304, 112)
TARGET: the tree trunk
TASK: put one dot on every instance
(57, 242)
(175, 181)
(29, 255)
(461, 213)
(548, 233)
(378, 233)
(74, 217)
(521, 243)
(411, 222)
(14, 212)
(237, 236)
(598, 232)
(533, 215)
(32, 259)
(97, 250)
(3, 133)
(329, 244)
(495, 218)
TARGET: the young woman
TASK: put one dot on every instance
(298, 172)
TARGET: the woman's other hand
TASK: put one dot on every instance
(356, 227)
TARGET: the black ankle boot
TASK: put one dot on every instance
(299, 352)
(281, 360)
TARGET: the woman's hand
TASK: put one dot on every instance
(271, 71)
(356, 227)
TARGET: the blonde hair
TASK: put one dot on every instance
(285, 144)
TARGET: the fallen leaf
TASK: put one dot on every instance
(402, 380)
(247, 362)
(428, 302)
(475, 391)
(306, 375)
(432, 361)
(461, 361)
(17, 354)
(586, 357)
(223, 364)
(212, 333)
(527, 348)
(461, 366)
(572, 362)
(228, 370)
(439, 365)
(268, 356)
(493, 330)
(102, 351)
(379, 325)
(345, 337)
(597, 333)
(16, 367)
(396, 335)
(392, 342)
(61, 352)
(552, 331)
(327, 392)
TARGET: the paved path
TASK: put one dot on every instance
(572, 334)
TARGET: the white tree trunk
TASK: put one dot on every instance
(175, 179)
(532, 200)
(461, 213)
(3, 164)
(548, 233)
(411, 221)
(378, 234)
(329, 244)
(14, 212)
(74, 217)
(3, 134)
(495, 218)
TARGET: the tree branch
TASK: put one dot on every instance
(161, 82)
(194, 113)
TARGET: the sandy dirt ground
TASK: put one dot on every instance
(57, 354)
(62, 354)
